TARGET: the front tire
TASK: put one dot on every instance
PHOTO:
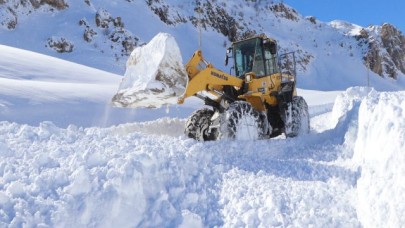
(197, 125)
(297, 117)
(241, 121)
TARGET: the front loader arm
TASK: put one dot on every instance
(202, 76)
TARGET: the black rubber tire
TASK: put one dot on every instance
(242, 121)
(297, 118)
(197, 125)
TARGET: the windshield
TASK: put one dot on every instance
(251, 57)
(244, 56)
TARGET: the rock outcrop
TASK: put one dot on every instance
(57, 4)
(10, 10)
(385, 53)
(60, 44)
(394, 42)
(114, 30)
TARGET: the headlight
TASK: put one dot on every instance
(248, 78)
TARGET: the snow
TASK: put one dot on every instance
(37, 88)
(154, 75)
(346, 27)
(191, 220)
(380, 152)
(263, 200)
(129, 176)
(103, 166)
(24, 71)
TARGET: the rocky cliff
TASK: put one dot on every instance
(385, 49)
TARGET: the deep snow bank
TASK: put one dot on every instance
(154, 75)
(75, 177)
(380, 152)
(375, 137)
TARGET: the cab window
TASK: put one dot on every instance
(270, 57)
(243, 54)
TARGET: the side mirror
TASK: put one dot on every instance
(271, 45)
(273, 48)
(228, 52)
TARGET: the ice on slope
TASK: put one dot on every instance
(154, 75)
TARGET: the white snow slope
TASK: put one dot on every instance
(60, 168)
(36, 88)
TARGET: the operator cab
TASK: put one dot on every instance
(257, 55)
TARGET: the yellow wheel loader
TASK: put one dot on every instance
(259, 101)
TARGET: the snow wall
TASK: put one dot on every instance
(380, 152)
(154, 75)
(377, 139)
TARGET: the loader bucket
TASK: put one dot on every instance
(154, 75)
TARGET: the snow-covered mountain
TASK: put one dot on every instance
(102, 34)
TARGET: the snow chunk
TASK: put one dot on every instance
(191, 220)
(16, 189)
(4, 199)
(346, 101)
(80, 182)
(45, 161)
(154, 76)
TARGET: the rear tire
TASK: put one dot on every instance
(242, 121)
(197, 125)
(297, 117)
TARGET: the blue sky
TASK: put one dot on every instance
(361, 12)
